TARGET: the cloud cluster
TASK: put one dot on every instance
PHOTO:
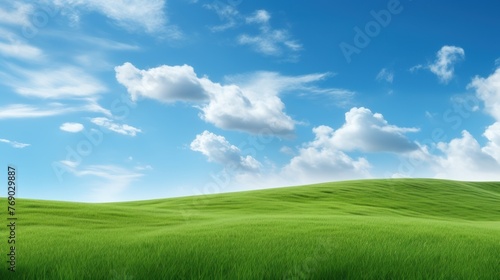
(320, 161)
(249, 103)
(217, 149)
(325, 158)
(269, 41)
(465, 159)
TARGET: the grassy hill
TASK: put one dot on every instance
(370, 229)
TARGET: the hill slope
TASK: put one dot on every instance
(370, 229)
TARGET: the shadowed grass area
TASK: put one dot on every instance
(370, 229)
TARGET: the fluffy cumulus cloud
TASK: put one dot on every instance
(488, 90)
(249, 103)
(320, 161)
(464, 159)
(236, 108)
(71, 127)
(167, 84)
(123, 129)
(131, 14)
(444, 66)
(14, 144)
(492, 148)
(217, 149)
(370, 132)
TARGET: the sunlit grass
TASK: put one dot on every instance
(373, 229)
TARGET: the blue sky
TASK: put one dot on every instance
(128, 100)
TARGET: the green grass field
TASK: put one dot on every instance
(371, 229)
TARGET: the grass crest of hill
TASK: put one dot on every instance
(366, 229)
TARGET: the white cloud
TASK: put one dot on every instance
(16, 14)
(246, 109)
(15, 144)
(130, 14)
(252, 102)
(217, 149)
(65, 82)
(416, 68)
(143, 167)
(488, 90)
(269, 41)
(18, 111)
(14, 46)
(492, 148)
(444, 66)
(287, 150)
(385, 75)
(249, 103)
(105, 43)
(320, 161)
(370, 132)
(165, 83)
(71, 127)
(124, 129)
(227, 13)
(464, 159)
(259, 16)
(20, 50)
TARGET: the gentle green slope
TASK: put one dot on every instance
(373, 229)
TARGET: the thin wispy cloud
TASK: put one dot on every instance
(14, 144)
(269, 41)
(109, 124)
(385, 75)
